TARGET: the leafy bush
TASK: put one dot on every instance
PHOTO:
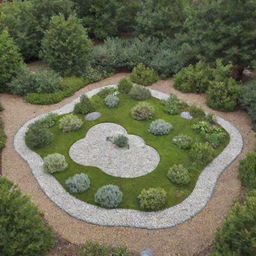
(70, 123)
(182, 141)
(124, 85)
(143, 75)
(247, 169)
(22, 230)
(103, 93)
(237, 235)
(202, 127)
(178, 174)
(48, 121)
(173, 105)
(94, 74)
(143, 111)
(37, 136)
(84, 106)
(55, 163)
(78, 183)
(196, 111)
(194, 78)
(210, 118)
(109, 196)
(139, 93)
(223, 95)
(201, 153)
(160, 127)
(152, 199)
(111, 101)
(120, 141)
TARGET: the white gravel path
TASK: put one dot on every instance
(170, 217)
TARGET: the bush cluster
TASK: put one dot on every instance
(160, 127)
(70, 123)
(152, 199)
(139, 93)
(108, 196)
(111, 101)
(178, 174)
(143, 111)
(173, 105)
(55, 163)
(201, 153)
(78, 183)
(124, 85)
(182, 141)
(84, 106)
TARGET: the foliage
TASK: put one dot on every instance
(160, 127)
(109, 196)
(247, 169)
(182, 141)
(84, 106)
(143, 111)
(120, 141)
(55, 163)
(210, 118)
(111, 101)
(152, 199)
(94, 74)
(2, 135)
(78, 183)
(139, 93)
(173, 105)
(178, 174)
(10, 60)
(196, 111)
(237, 234)
(103, 93)
(22, 229)
(201, 153)
(66, 46)
(124, 85)
(70, 123)
(48, 121)
(143, 75)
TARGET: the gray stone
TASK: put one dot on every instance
(93, 116)
(147, 252)
(186, 115)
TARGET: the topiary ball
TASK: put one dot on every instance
(111, 101)
(78, 183)
(55, 163)
(124, 85)
(178, 174)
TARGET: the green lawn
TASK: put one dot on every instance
(131, 187)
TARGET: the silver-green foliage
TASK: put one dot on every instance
(78, 183)
(70, 123)
(111, 101)
(160, 127)
(55, 163)
(139, 93)
(182, 141)
(143, 111)
(178, 174)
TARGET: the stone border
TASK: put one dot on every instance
(170, 217)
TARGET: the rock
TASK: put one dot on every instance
(186, 115)
(147, 252)
(93, 116)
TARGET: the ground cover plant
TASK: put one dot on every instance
(132, 187)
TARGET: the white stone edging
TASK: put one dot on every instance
(170, 217)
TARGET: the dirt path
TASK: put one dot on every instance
(188, 238)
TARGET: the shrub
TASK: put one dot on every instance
(109, 196)
(111, 101)
(202, 127)
(201, 153)
(84, 106)
(173, 105)
(210, 118)
(196, 111)
(70, 123)
(78, 183)
(194, 78)
(152, 199)
(143, 111)
(124, 85)
(103, 93)
(139, 93)
(247, 169)
(48, 121)
(182, 141)
(223, 95)
(55, 163)
(160, 127)
(22, 230)
(143, 75)
(178, 174)
(38, 137)
(120, 141)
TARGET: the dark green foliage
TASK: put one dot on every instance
(22, 230)
(196, 111)
(237, 235)
(178, 174)
(48, 121)
(120, 141)
(10, 60)
(84, 106)
(139, 93)
(247, 169)
(201, 154)
(66, 46)
(2, 135)
(124, 85)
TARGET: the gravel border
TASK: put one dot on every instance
(170, 217)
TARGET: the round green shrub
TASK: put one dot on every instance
(247, 170)
(196, 112)
(124, 85)
(201, 153)
(78, 183)
(48, 121)
(143, 111)
(178, 174)
(182, 141)
(160, 127)
(143, 75)
(109, 196)
(111, 101)
(70, 123)
(55, 163)
(152, 199)
(84, 106)
(139, 93)
(121, 141)
(173, 105)
(38, 136)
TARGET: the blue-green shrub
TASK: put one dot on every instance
(111, 101)
(78, 183)
(160, 127)
(139, 93)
